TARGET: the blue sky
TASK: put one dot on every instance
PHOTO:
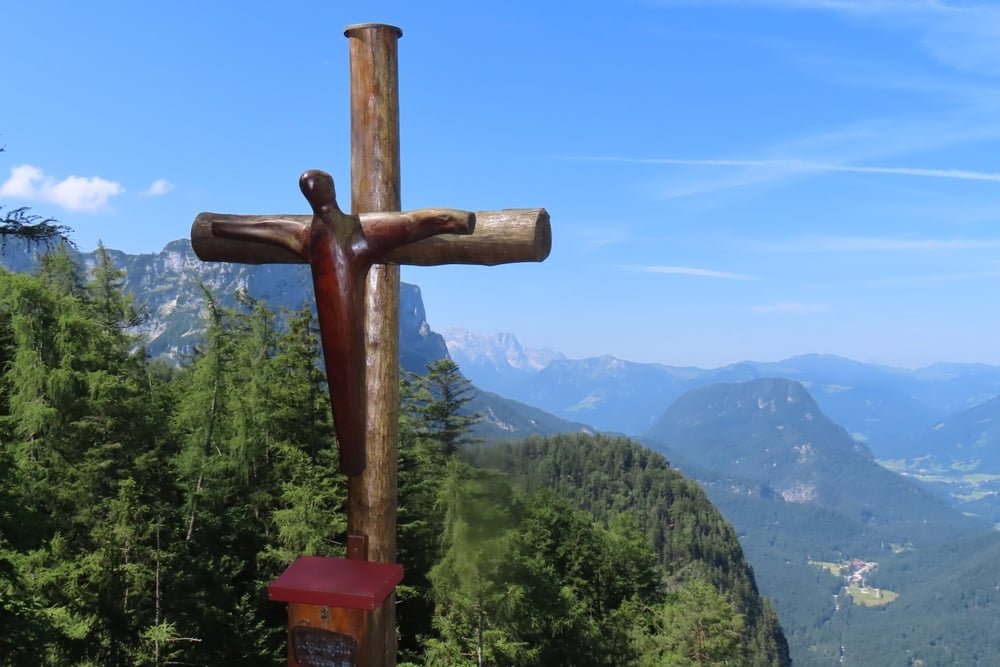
(727, 180)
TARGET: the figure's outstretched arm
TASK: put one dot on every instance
(384, 232)
(292, 235)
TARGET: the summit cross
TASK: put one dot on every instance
(354, 259)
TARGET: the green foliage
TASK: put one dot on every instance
(445, 395)
(695, 625)
(528, 580)
(144, 509)
(19, 223)
(607, 475)
(78, 424)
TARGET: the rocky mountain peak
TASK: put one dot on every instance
(501, 350)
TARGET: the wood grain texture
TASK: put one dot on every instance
(375, 187)
(499, 237)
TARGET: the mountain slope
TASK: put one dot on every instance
(959, 458)
(504, 419)
(799, 489)
(971, 436)
(609, 393)
(772, 432)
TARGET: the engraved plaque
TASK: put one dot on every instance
(315, 647)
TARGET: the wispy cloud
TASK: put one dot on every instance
(963, 36)
(791, 307)
(74, 193)
(686, 271)
(875, 244)
(160, 186)
(806, 166)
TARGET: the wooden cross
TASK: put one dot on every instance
(340, 250)
(354, 261)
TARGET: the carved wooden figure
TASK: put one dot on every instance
(340, 249)
(340, 253)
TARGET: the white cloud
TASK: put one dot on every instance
(686, 271)
(793, 166)
(160, 186)
(791, 307)
(75, 193)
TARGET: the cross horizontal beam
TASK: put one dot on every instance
(500, 237)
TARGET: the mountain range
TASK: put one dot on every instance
(794, 453)
(875, 403)
(934, 424)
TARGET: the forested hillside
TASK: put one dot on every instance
(144, 509)
(613, 477)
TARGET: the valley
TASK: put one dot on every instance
(820, 459)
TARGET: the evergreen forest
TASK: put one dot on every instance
(145, 507)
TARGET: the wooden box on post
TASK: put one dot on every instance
(330, 604)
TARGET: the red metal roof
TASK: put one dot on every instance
(336, 582)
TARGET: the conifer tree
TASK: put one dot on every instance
(20, 223)
(479, 603)
(80, 418)
(259, 474)
(444, 414)
(309, 515)
(695, 626)
(421, 474)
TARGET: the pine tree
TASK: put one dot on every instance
(80, 414)
(444, 414)
(480, 603)
(695, 626)
(258, 469)
(421, 474)
(309, 515)
(19, 223)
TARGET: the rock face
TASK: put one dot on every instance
(170, 285)
(497, 362)
(499, 351)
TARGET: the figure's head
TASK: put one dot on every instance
(317, 186)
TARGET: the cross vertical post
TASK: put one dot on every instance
(375, 187)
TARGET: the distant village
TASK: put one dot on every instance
(855, 573)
